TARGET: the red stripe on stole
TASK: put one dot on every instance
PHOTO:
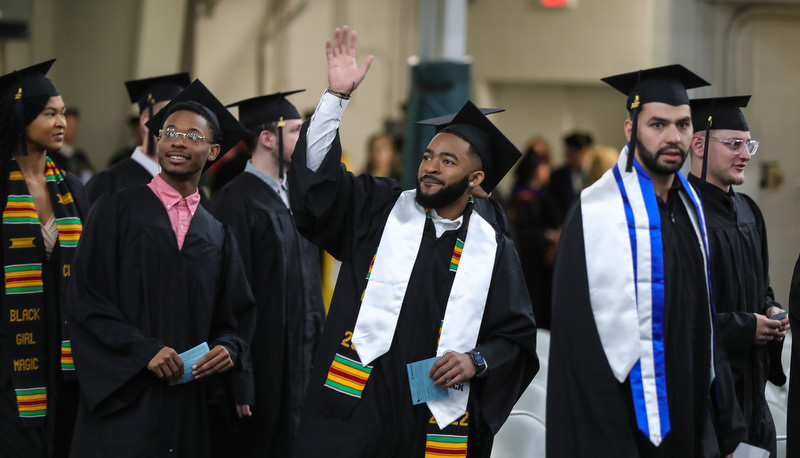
(445, 451)
(354, 378)
(36, 276)
(31, 403)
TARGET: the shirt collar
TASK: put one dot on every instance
(145, 161)
(170, 197)
(443, 224)
(271, 182)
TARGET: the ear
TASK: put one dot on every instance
(212, 155)
(628, 127)
(267, 139)
(476, 178)
(698, 144)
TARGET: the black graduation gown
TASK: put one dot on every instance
(53, 438)
(283, 270)
(122, 175)
(589, 413)
(737, 240)
(345, 215)
(132, 293)
(793, 407)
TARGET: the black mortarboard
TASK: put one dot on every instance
(28, 82)
(724, 111)
(149, 91)
(266, 108)
(661, 84)
(270, 108)
(19, 85)
(718, 113)
(497, 153)
(666, 84)
(232, 131)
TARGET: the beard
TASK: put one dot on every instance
(444, 196)
(650, 159)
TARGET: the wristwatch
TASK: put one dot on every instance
(477, 359)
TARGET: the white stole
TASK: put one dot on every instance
(621, 300)
(388, 280)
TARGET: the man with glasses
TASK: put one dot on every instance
(632, 356)
(747, 326)
(155, 280)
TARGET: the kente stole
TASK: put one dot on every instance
(622, 227)
(23, 303)
(471, 268)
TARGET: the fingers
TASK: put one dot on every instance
(243, 410)
(175, 368)
(337, 34)
(353, 40)
(366, 65)
(215, 361)
(166, 365)
(343, 40)
(452, 368)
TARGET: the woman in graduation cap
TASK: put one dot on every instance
(40, 230)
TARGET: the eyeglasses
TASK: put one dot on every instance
(737, 145)
(192, 137)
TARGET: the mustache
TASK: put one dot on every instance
(432, 178)
(671, 146)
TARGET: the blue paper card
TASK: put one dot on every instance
(189, 358)
(421, 384)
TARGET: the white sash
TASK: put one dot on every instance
(391, 270)
(623, 315)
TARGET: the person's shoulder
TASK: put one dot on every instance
(238, 192)
(750, 201)
(73, 182)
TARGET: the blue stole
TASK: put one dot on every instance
(622, 226)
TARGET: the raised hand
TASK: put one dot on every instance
(344, 74)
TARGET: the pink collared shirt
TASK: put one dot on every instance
(179, 209)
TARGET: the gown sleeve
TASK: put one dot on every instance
(333, 208)
(232, 211)
(507, 341)
(110, 353)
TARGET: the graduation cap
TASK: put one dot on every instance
(147, 92)
(497, 153)
(719, 113)
(28, 82)
(231, 130)
(19, 85)
(666, 84)
(265, 109)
